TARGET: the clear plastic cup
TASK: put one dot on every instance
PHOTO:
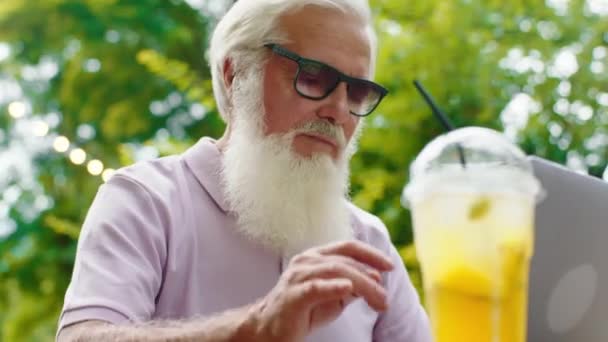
(472, 194)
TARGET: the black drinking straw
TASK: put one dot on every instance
(440, 115)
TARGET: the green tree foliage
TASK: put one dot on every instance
(127, 80)
(534, 69)
(131, 72)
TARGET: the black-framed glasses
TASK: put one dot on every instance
(316, 80)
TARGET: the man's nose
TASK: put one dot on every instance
(335, 107)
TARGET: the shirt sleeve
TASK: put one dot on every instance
(405, 320)
(120, 257)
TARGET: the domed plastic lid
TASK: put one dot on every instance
(471, 159)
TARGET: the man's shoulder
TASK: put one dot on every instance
(192, 177)
(159, 176)
(367, 226)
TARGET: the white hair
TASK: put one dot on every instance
(250, 24)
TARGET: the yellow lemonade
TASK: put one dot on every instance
(475, 252)
(464, 306)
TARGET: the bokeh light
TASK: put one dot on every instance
(40, 128)
(78, 156)
(95, 167)
(107, 174)
(16, 109)
(61, 144)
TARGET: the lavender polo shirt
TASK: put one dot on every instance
(158, 243)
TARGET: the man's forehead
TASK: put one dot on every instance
(331, 36)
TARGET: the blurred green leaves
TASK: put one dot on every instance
(179, 74)
(113, 61)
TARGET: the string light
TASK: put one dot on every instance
(16, 109)
(78, 156)
(107, 174)
(40, 128)
(61, 144)
(95, 167)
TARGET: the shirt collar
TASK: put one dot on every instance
(205, 161)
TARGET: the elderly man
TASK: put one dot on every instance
(251, 237)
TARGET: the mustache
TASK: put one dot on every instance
(325, 128)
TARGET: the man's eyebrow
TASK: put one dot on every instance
(303, 58)
(327, 65)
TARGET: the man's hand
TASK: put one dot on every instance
(314, 290)
(316, 287)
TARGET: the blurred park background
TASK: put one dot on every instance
(89, 86)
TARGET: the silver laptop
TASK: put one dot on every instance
(569, 276)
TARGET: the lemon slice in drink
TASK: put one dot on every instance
(464, 279)
(480, 208)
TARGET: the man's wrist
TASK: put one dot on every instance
(251, 328)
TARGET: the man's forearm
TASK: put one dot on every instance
(234, 325)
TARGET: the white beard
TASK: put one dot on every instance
(285, 201)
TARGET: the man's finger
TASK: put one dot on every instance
(364, 268)
(359, 251)
(363, 285)
(311, 293)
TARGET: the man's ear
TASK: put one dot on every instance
(228, 73)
